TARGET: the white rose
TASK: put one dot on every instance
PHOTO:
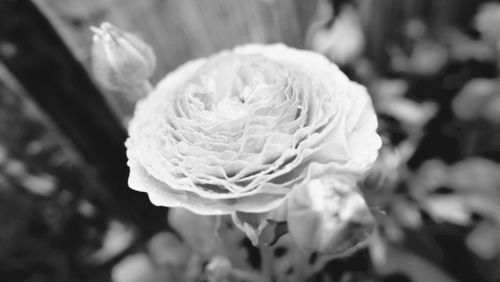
(240, 130)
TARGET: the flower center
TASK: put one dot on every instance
(227, 87)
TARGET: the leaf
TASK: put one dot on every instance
(167, 250)
(134, 268)
(448, 208)
(484, 241)
(250, 223)
(391, 260)
(273, 232)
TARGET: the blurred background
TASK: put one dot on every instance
(431, 67)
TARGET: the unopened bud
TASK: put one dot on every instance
(328, 215)
(120, 59)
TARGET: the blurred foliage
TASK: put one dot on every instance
(432, 70)
(53, 211)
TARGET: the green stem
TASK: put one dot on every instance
(267, 262)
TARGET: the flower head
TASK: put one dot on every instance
(238, 131)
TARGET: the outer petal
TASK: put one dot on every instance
(361, 129)
(161, 194)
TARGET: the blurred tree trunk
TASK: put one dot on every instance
(35, 54)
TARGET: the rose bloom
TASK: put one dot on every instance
(238, 131)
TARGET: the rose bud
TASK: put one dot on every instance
(120, 59)
(329, 215)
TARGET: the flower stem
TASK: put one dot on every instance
(266, 263)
